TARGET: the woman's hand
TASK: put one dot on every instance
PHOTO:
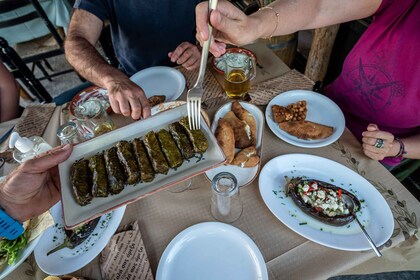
(230, 26)
(187, 55)
(34, 186)
(371, 142)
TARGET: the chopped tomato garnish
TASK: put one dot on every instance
(339, 193)
(319, 209)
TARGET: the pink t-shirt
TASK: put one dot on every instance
(380, 80)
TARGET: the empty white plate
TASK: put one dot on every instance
(160, 80)
(212, 250)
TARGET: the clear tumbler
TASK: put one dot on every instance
(226, 205)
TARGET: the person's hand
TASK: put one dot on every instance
(371, 141)
(230, 26)
(34, 186)
(187, 55)
(127, 98)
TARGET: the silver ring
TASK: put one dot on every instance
(379, 143)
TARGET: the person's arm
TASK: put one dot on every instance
(9, 95)
(34, 187)
(411, 147)
(230, 25)
(125, 96)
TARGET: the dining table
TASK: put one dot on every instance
(287, 255)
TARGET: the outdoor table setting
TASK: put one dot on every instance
(175, 228)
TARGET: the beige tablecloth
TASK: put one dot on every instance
(163, 215)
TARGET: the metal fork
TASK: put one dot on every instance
(196, 92)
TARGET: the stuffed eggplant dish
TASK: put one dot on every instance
(321, 200)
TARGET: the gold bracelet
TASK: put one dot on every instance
(277, 22)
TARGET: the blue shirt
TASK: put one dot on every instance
(144, 32)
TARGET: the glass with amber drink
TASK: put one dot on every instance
(240, 69)
(93, 119)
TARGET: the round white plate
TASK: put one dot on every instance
(66, 261)
(321, 109)
(212, 250)
(160, 80)
(244, 175)
(22, 256)
(375, 214)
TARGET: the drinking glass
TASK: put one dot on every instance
(180, 187)
(69, 133)
(226, 205)
(93, 119)
(240, 69)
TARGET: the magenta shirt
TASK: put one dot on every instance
(380, 80)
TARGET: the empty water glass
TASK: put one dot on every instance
(226, 205)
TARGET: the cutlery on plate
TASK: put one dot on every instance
(196, 92)
(350, 205)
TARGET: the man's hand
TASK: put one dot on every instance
(369, 140)
(127, 98)
(34, 186)
(187, 55)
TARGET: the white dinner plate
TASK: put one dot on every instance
(22, 256)
(211, 251)
(244, 175)
(75, 214)
(160, 80)
(321, 109)
(67, 260)
(375, 214)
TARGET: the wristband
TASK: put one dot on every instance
(9, 227)
(402, 150)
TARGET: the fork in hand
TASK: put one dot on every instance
(196, 92)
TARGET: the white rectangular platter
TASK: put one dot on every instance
(74, 214)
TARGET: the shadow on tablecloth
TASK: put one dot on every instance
(398, 275)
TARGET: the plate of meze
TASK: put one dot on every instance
(245, 166)
(320, 109)
(375, 214)
(138, 132)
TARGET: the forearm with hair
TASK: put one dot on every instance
(88, 62)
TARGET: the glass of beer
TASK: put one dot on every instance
(92, 118)
(240, 69)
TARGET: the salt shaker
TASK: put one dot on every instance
(226, 205)
(69, 134)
